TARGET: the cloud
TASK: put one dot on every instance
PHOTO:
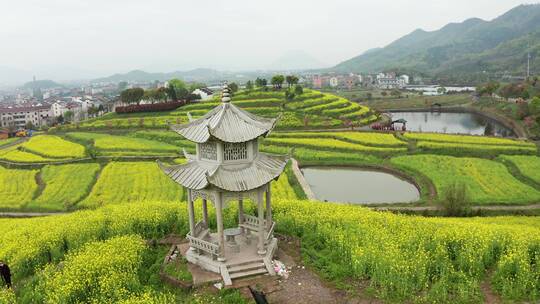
(117, 36)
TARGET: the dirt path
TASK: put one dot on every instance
(27, 214)
(303, 285)
(20, 141)
(489, 295)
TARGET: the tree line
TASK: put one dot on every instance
(175, 90)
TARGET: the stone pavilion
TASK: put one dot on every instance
(229, 168)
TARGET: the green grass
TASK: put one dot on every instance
(466, 139)
(330, 144)
(415, 101)
(363, 138)
(487, 182)
(529, 166)
(65, 185)
(4, 142)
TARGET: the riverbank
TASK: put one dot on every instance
(508, 123)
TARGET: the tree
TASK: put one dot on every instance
(261, 82)
(149, 95)
(233, 86)
(60, 119)
(161, 94)
(171, 92)
(487, 88)
(534, 106)
(291, 80)
(383, 93)
(68, 116)
(132, 95)
(441, 90)
(177, 89)
(369, 95)
(277, 81)
(298, 90)
(456, 202)
(395, 93)
(196, 85)
(29, 126)
(289, 96)
(249, 85)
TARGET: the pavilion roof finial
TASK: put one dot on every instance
(226, 93)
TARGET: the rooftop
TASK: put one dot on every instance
(199, 175)
(227, 123)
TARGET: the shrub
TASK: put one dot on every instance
(157, 107)
(455, 202)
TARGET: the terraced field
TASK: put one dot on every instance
(5, 142)
(529, 166)
(487, 181)
(311, 109)
(17, 187)
(469, 145)
(132, 182)
(51, 146)
(64, 186)
(13, 154)
(110, 145)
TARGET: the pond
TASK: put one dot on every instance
(462, 123)
(359, 186)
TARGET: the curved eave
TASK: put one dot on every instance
(193, 175)
(262, 171)
(226, 123)
(189, 175)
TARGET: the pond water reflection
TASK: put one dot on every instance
(351, 185)
(462, 123)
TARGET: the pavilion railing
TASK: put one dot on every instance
(200, 227)
(270, 234)
(203, 245)
(252, 220)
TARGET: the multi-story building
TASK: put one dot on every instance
(391, 81)
(19, 116)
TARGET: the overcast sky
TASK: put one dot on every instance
(107, 36)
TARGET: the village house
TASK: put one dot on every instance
(19, 116)
(205, 93)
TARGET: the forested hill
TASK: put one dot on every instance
(473, 46)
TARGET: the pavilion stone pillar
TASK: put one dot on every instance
(205, 212)
(268, 208)
(260, 212)
(219, 217)
(191, 213)
(241, 213)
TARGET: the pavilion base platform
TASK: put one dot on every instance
(241, 258)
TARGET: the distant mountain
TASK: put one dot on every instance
(41, 84)
(474, 46)
(296, 60)
(203, 75)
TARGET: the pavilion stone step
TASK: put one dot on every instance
(246, 269)
(246, 266)
(242, 274)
